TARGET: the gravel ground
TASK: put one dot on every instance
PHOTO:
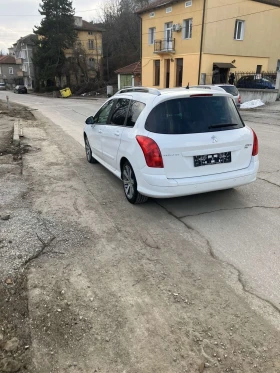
(93, 284)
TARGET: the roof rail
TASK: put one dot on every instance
(152, 91)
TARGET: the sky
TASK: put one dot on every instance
(18, 17)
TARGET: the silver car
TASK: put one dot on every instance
(2, 87)
(231, 89)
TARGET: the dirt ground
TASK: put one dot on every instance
(90, 283)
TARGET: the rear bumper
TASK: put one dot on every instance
(158, 186)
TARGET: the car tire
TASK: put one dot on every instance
(89, 156)
(130, 185)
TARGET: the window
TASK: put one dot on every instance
(90, 32)
(156, 72)
(187, 28)
(152, 14)
(119, 112)
(91, 44)
(11, 71)
(0, 70)
(91, 62)
(239, 30)
(169, 9)
(24, 67)
(103, 114)
(179, 72)
(22, 54)
(188, 3)
(194, 115)
(152, 35)
(135, 109)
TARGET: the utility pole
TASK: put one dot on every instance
(201, 40)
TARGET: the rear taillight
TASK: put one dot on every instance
(151, 151)
(255, 150)
(239, 99)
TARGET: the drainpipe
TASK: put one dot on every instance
(140, 39)
(201, 40)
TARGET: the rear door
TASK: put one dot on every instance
(194, 133)
(111, 136)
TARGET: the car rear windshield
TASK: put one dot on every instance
(194, 115)
(230, 89)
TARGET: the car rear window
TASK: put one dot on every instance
(230, 89)
(194, 115)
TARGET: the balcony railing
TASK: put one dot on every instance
(164, 46)
(19, 61)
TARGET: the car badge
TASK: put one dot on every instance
(214, 139)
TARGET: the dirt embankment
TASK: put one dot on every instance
(15, 338)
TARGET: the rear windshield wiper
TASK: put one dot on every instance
(223, 125)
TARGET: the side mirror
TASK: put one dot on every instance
(90, 120)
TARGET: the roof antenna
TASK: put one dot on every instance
(188, 86)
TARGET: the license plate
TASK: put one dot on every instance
(210, 159)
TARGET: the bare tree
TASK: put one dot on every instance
(121, 39)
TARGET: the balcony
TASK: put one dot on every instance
(19, 61)
(164, 46)
(19, 73)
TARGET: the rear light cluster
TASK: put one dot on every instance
(255, 150)
(151, 151)
(239, 100)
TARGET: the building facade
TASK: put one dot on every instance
(85, 58)
(203, 41)
(9, 71)
(23, 52)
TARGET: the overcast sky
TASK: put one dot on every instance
(18, 17)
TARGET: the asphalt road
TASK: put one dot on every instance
(241, 226)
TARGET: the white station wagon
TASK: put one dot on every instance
(169, 143)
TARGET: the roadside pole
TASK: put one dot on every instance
(8, 102)
(277, 85)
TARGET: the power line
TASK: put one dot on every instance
(39, 15)
(221, 20)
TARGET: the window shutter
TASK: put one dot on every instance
(235, 29)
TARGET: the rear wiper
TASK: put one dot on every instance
(223, 125)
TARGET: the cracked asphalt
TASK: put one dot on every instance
(238, 229)
(241, 224)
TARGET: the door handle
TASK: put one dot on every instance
(117, 133)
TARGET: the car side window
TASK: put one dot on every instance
(135, 109)
(119, 112)
(103, 114)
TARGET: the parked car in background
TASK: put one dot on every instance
(20, 89)
(2, 86)
(231, 89)
(255, 82)
(171, 143)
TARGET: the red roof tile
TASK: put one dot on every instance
(88, 26)
(7, 60)
(133, 68)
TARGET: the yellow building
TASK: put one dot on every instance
(85, 58)
(202, 41)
